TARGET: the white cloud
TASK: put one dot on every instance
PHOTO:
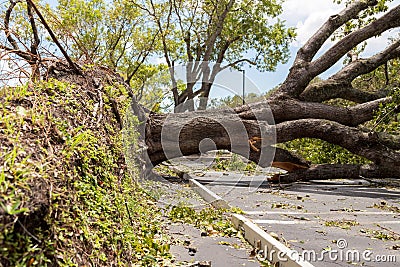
(301, 9)
(307, 16)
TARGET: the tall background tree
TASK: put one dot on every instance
(111, 33)
(226, 33)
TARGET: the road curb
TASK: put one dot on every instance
(208, 195)
(273, 250)
(267, 247)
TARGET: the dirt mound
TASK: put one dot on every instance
(67, 197)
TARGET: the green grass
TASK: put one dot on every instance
(67, 197)
(235, 163)
(210, 220)
(344, 224)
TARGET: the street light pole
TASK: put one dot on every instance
(243, 85)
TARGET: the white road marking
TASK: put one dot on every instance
(280, 222)
(250, 212)
(306, 222)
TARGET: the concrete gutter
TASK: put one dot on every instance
(209, 196)
(266, 246)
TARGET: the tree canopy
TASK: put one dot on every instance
(127, 36)
(227, 33)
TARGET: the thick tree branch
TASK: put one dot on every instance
(25, 55)
(166, 133)
(36, 40)
(311, 47)
(335, 171)
(368, 145)
(288, 110)
(303, 71)
(225, 135)
(7, 30)
(389, 140)
(34, 44)
(186, 131)
(364, 66)
(339, 84)
(331, 89)
(388, 21)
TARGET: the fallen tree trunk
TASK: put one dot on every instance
(297, 109)
(175, 135)
(334, 171)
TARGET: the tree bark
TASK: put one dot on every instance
(335, 171)
(174, 135)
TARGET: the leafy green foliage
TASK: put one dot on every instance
(82, 23)
(66, 197)
(320, 152)
(387, 118)
(110, 33)
(248, 25)
(123, 36)
(383, 235)
(151, 86)
(226, 32)
(384, 206)
(344, 224)
(385, 78)
(210, 220)
(365, 17)
(235, 163)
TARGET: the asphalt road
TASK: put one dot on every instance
(331, 223)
